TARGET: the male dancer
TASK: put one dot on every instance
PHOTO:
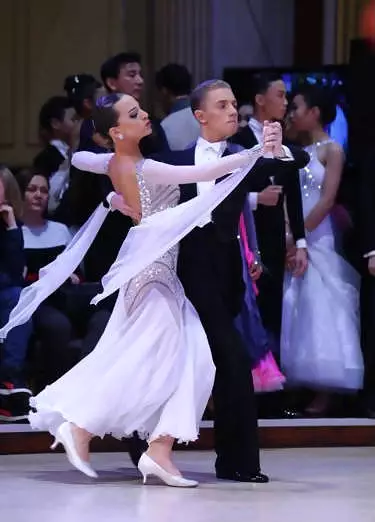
(270, 104)
(210, 268)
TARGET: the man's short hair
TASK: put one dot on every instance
(199, 94)
(260, 84)
(53, 109)
(175, 78)
(111, 68)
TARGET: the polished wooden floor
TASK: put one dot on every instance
(307, 484)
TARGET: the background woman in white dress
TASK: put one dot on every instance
(320, 346)
(152, 370)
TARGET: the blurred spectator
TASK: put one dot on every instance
(14, 394)
(123, 73)
(82, 91)
(57, 120)
(84, 192)
(60, 320)
(245, 112)
(180, 126)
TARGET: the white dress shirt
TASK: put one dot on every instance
(204, 153)
(257, 128)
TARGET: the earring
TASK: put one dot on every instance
(120, 137)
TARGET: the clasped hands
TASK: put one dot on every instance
(272, 139)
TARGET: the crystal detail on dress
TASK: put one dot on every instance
(309, 183)
(161, 273)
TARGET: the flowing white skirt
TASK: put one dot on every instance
(151, 372)
(320, 341)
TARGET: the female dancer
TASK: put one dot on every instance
(322, 307)
(152, 370)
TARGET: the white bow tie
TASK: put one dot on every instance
(210, 149)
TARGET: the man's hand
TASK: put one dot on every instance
(290, 260)
(102, 142)
(74, 279)
(7, 213)
(371, 265)
(270, 195)
(256, 271)
(300, 262)
(118, 203)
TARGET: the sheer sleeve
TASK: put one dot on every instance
(164, 174)
(92, 162)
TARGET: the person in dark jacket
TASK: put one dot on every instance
(14, 394)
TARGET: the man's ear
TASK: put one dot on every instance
(55, 124)
(200, 116)
(259, 100)
(112, 84)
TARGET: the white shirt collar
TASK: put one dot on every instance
(62, 147)
(255, 124)
(257, 127)
(217, 146)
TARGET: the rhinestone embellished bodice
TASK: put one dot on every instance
(162, 273)
(312, 176)
(311, 180)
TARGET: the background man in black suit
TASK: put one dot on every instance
(210, 268)
(121, 73)
(270, 104)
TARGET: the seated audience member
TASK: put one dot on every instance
(180, 126)
(14, 394)
(56, 327)
(58, 125)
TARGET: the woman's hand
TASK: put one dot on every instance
(8, 216)
(371, 265)
(118, 203)
(74, 279)
(256, 271)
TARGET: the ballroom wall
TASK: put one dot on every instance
(41, 42)
(208, 35)
(258, 33)
(348, 26)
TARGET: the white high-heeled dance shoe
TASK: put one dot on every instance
(148, 467)
(64, 436)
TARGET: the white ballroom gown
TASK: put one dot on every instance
(320, 340)
(152, 370)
